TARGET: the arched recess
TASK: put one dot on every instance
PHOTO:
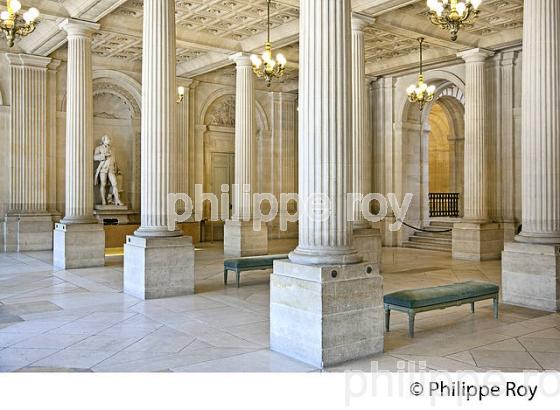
(215, 148)
(117, 105)
(412, 131)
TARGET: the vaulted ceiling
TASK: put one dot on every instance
(209, 31)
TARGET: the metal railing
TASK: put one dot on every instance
(444, 204)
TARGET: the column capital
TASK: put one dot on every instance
(476, 55)
(28, 60)
(75, 27)
(241, 59)
(361, 21)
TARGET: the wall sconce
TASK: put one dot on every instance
(181, 94)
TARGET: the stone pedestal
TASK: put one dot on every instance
(368, 244)
(28, 232)
(531, 276)
(477, 241)
(118, 213)
(241, 240)
(78, 245)
(338, 311)
(158, 267)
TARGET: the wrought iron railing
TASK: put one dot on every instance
(444, 204)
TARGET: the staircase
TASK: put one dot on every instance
(431, 241)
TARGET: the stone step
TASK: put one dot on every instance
(414, 245)
(433, 234)
(441, 224)
(430, 240)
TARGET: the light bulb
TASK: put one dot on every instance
(439, 9)
(267, 56)
(256, 60)
(476, 3)
(461, 7)
(27, 17)
(411, 89)
(4, 15)
(33, 13)
(431, 89)
(432, 4)
(181, 91)
(281, 59)
(423, 86)
(15, 5)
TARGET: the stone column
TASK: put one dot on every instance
(240, 237)
(183, 139)
(325, 305)
(475, 237)
(531, 264)
(367, 240)
(28, 224)
(79, 240)
(284, 159)
(158, 259)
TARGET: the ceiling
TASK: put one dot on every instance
(209, 31)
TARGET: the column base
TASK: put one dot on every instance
(241, 240)
(477, 241)
(158, 267)
(531, 276)
(78, 245)
(368, 244)
(28, 232)
(326, 315)
(510, 230)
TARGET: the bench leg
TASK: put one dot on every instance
(238, 273)
(225, 276)
(411, 324)
(472, 307)
(496, 307)
(387, 319)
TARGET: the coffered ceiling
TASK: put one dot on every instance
(209, 31)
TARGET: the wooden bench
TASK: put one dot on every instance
(239, 265)
(413, 301)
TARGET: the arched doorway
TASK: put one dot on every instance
(431, 152)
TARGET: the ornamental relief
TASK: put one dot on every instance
(222, 112)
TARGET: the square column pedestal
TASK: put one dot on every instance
(78, 245)
(477, 241)
(531, 276)
(158, 267)
(28, 232)
(367, 242)
(325, 315)
(240, 239)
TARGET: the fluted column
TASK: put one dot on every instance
(540, 139)
(325, 127)
(361, 145)
(79, 123)
(184, 137)
(476, 208)
(28, 139)
(159, 107)
(245, 129)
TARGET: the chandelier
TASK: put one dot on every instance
(267, 67)
(420, 92)
(13, 24)
(453, 14)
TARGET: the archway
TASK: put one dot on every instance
(412, 159)
(216, 148)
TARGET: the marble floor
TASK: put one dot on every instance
(79, 320)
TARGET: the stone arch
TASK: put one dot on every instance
(121, 86)
(218, 96)
(412, 132)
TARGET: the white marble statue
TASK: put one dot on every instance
(107, 169)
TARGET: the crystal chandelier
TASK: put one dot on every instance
(420, 92)
(13, 24)
(267, 67)
(453, 14)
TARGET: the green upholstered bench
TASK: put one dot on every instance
(239, 265)
(413, 301)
